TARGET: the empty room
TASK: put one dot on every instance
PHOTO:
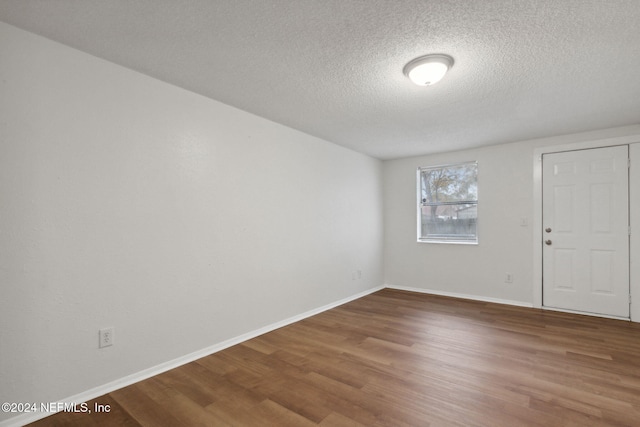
(319, 213)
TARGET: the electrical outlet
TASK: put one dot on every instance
(106, 337)
(508, 278)
(359, 274)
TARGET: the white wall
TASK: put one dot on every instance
(506, 197)
(178, 220)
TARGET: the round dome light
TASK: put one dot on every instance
(429, 69)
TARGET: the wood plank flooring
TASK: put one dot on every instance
(397, 358)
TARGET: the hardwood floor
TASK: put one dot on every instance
(397, 358)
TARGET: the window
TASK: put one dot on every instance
(448, 203)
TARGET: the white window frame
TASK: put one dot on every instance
(453, 239)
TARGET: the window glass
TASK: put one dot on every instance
(448, 203)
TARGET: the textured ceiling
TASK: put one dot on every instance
(333, 68)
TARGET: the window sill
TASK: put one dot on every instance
(449, 242)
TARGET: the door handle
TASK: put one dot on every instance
(548, 230)
(547, 242)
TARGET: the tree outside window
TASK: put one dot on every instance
(448, 203)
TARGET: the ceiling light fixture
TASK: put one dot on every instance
(429, 69)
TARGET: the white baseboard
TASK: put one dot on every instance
(463, 296)
(79, 398)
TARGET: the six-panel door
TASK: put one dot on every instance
(585, 231)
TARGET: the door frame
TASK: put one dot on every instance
(634, 199)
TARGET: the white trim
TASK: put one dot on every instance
(537, 201)
(450, 242)
(585, 313)
(95, 392)
(598, 143)
(462, 296)
(634, 238)
(537, 229)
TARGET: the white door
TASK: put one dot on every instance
(585, 217)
